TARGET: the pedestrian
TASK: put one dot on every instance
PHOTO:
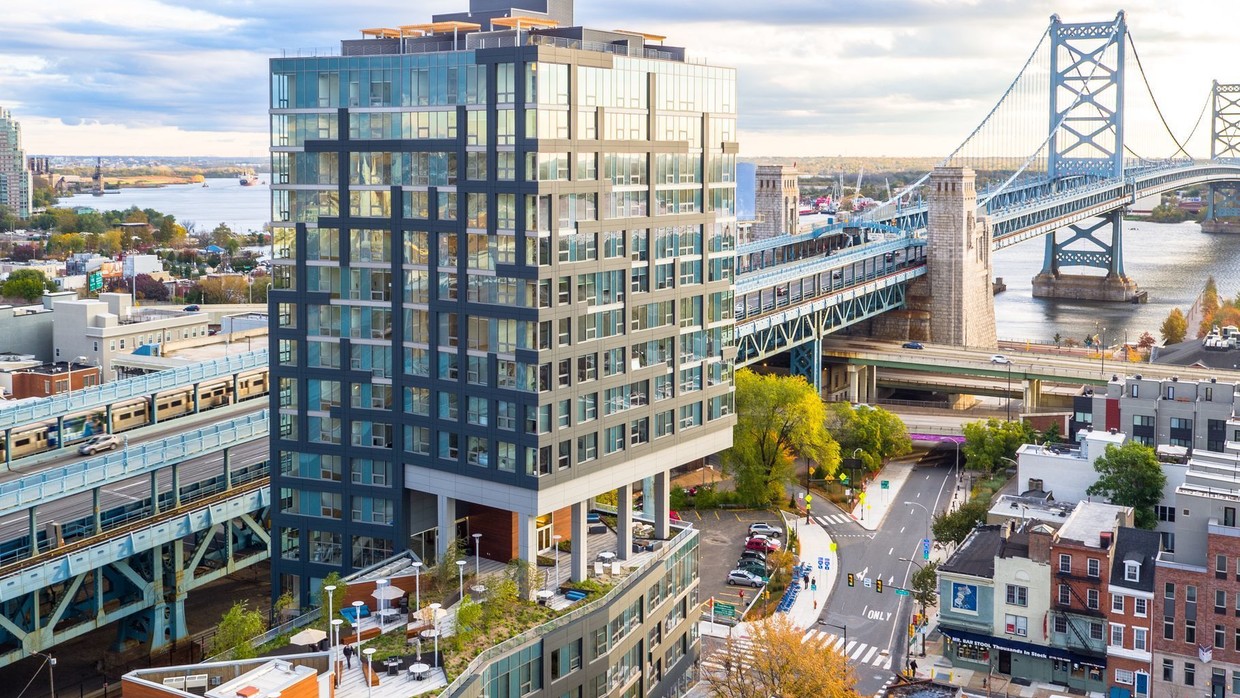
(913, 665)
(815, 604)
(742, 593)
(348, 656)
(806, 579)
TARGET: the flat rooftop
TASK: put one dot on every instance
(1089, 520)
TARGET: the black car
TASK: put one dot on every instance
(753, 555)
(913, 345)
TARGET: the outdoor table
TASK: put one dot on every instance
(607, 556)
(419, 670)
(544, 596)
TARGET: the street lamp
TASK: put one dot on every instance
(460, 576)
(329, 589)
(370, 680)
(1103, 350)
(477, 557)
(923, 606)
(844, 627)
(357, 621)
(1009, 391)
(50, 661)
(928, 516)
(417, 586)
(335, 640)
(556, 540)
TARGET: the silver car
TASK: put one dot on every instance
(99, 442)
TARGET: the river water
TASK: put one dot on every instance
(1171, 261)
(244, 209)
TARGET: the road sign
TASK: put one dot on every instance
(925, 548)
(868, 582)
(902, 592)
(886, 484)
(834, 547)
(94, 281)
(725, 610)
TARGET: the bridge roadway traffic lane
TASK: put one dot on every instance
(1052, 368)
(136, 488)
(875, 621)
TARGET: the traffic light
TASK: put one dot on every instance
(852, 579)
(912, 631)
(878, 585)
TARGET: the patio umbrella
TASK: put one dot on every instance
(307, 637)
(388, 592)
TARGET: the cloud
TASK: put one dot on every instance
(887, 76)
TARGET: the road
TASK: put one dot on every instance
(878, 622)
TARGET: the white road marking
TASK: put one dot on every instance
(866, 659)
(902, 529)
(889, 552)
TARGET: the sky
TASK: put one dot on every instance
(815, 77)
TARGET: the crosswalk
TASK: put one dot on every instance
(833, 519)
(857, 652)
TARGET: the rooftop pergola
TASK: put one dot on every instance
(648, 37)
(520, 22)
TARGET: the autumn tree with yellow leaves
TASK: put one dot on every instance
(777, 664)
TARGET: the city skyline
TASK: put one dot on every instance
(153, 77)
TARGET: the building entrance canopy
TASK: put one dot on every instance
(1040, 651)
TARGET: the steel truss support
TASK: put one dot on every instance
(810, 327)
(1108, 255)
(806, 361)
(1087, 98)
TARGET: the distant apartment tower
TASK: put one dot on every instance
(15, 180)
(777, 201)
(502, 285)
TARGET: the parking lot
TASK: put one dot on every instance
(723, 536)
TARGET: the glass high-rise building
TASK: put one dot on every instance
(15, 179)
(503, 285)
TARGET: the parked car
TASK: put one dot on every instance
(765, 529)
(192, 308)
(913, 345)
(99, 442)
(745, 578)
(766, 545)
(753, 555)
(1000, 359)
(753, 566)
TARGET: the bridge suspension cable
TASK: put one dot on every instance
(1180, 147)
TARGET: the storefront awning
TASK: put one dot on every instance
(1025, 648)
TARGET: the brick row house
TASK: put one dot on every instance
(1067, 606)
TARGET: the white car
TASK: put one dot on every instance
(1000, 359)
(99, 442)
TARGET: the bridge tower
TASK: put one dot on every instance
(1224, 198)
(962, 312)
(1087, 144)
(777, 201)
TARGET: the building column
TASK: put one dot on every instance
(854, 384)
(871, 397)
(577, 565)
(624, 521)
(527, 551)
(446, 535)
(662, 506)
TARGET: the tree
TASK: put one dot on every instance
(8, 219)
(955, 526)
(27, 252)
(1131, 476)
(337, 598)
(878, 433)
(147, 288)
(28, 284)
(777, 419)
(1052, 433)
(1209, 306)
(1174, 327)
(236, 630)
(781, 665)
(926, 585)
(221, 235)
(1146, 340)
(1057, 339)
(987, 443)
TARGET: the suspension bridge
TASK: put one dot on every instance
(1059, 156)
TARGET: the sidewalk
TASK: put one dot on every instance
(878, 501)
